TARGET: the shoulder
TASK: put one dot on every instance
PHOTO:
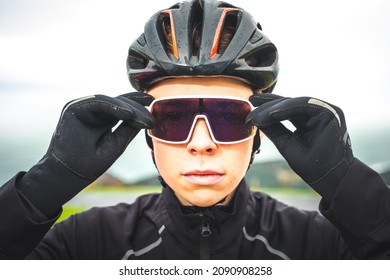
(300, 234)
(104, 232)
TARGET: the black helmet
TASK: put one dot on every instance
(189, 39)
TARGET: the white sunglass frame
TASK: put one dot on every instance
(201, 116)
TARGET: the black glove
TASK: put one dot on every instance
(84, 146)
(319, 150)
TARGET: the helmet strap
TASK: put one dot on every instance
(256, 147)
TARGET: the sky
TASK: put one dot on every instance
(54, 51)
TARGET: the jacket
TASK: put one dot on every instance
(355, 224)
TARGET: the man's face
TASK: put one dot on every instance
(202, 172)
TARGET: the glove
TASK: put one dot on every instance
(84, 145)
(319, 150)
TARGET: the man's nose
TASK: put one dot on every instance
(201, 141)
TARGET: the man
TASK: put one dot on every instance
(205, 71)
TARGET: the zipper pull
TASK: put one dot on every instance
(206, 231)
(205, 241)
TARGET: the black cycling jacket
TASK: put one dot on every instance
(252, 226)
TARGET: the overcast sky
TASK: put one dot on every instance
(55, 51)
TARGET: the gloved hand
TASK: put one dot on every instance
(319, 150)
(84, 145)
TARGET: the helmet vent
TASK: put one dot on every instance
(196, 21)
(135, 61)
(165, 32)
(225, 5)
(262, 57)
(141, 40)
(256, 37)
(226, 29)
(176, 6)
(229, 28)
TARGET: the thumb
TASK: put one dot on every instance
(112, 146)
(279, 135)
(124, 134)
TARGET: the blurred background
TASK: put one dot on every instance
(54, 51)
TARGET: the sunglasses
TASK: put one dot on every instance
(176, 117)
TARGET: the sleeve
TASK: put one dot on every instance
(22, 226)
(360, 209)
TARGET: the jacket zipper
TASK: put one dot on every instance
(205, 240)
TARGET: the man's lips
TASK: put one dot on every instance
(203, 177)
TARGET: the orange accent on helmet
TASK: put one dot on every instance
(174, 44)
(214, 48)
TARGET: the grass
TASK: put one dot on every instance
(70, 210)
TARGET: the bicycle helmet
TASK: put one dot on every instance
(188, 39)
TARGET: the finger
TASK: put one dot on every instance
(98, 106)
(260, 99)
(123, 135)
(112, 145)
(140, 97)
(293, 109)
(103, 110)
(257, 116)
(141, 116)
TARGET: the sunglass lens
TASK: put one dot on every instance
(228, 119)
(173, 119)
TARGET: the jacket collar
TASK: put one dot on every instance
(184, 223)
